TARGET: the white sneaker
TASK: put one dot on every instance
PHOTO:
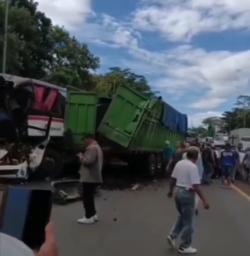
(85, 220)
(96, 218)
(171, 242)
(189, 250)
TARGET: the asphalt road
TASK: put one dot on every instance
(137, 223)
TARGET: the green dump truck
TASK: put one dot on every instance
(43, 118)
(131, 127)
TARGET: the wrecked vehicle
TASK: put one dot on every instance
(31, 119)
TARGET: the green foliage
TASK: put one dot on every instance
(107, 84)
(37, 49)
(238, 117)
(210, 130)
(28, 30)
(71, 61)
(243, 102)
(198, 132)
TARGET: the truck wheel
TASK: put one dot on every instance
(160, 165)
(152, 165)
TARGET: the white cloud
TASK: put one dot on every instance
(122, 34)
(208, 103)
(183, 19)
(210, 77)
(107, 31)
(204, 79)
(207, 78)
(197, 118)
(70, 14)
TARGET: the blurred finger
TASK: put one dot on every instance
(50, 232)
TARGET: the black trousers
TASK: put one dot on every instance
(88, 197)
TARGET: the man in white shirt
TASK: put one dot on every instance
(199, 164)
(186, 178)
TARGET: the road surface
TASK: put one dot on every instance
(137, 223)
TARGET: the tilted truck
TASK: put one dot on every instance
(131, 128)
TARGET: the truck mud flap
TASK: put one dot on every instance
(66, 191)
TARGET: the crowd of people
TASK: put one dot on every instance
(228, 163)
(189, 167)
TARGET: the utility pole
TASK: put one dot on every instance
(5, 39)
(245, 118)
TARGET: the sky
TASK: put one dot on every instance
(195, 53)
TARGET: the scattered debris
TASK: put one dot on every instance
(136, 187)
(66, 191)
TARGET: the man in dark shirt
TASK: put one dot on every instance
(208, 163)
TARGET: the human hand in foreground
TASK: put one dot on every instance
(49, 248)
(206, 205)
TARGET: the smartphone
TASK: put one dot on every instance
(24, 214)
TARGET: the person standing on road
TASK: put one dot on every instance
(208, 163)
(228, 163)
(199, 164)
(236, 168)
(187, 180)
(90, 176)
(217, 172)
(246, 164)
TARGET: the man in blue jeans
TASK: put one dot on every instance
(187, 180)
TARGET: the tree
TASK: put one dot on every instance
(240, 116)
(211, 130)
(213, 124)
(230, 119)
(243, 103)
(29, 42)
(213, 121)
(199, 131)
(37, 49)
(71, 61)
(107, 84)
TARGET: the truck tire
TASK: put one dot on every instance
(160, 165)
(152, 165)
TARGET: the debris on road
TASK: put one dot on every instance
(66, 191)
(136, 187)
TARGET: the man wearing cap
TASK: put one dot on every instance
(186, 179)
